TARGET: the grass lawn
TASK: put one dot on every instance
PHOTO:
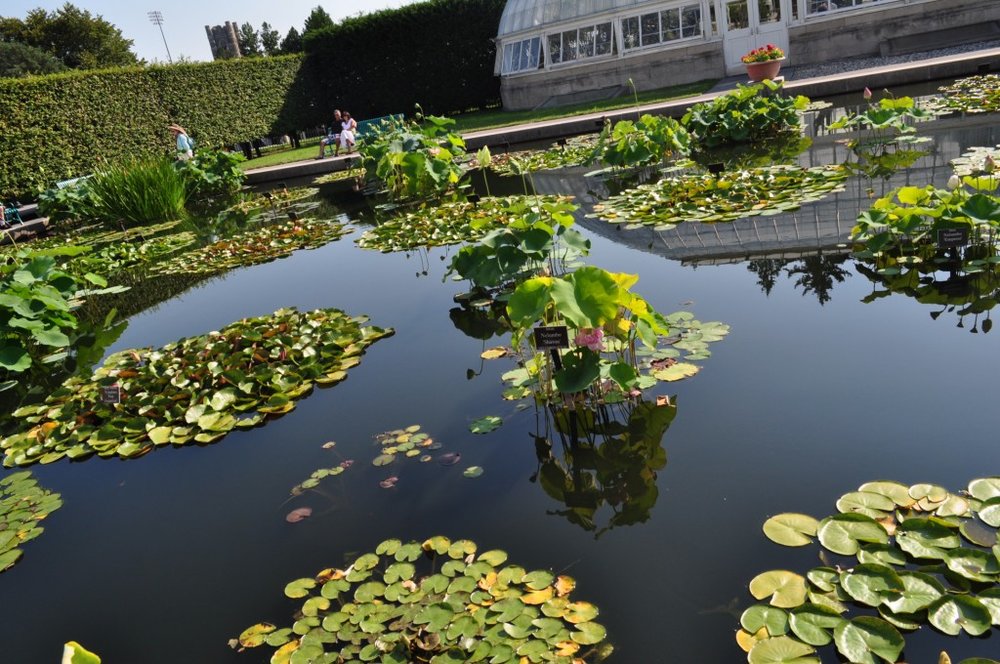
(491, 119)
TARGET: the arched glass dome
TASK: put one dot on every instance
(521, 15)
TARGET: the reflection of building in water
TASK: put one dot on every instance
(825, 225)
(552, 52)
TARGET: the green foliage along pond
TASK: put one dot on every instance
(439, 602)
(195, 390)
(724, 197)
(923, 555)
(976, 94)
(23, 504)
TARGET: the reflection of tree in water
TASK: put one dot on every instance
(817, 274)
(609, 458)
(813, 274)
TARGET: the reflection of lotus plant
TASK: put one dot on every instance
(440, 602)
(924, 555)
(23, 504)
(889, 120)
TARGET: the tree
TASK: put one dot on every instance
(317, 20)
(292, 43)
(269, 38)
(249, 41)
(18, 60)
(78, 38)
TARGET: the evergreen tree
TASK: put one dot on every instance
(269, 38)
(292, 43)
(317, 20)
(249, 41)
(18, 60)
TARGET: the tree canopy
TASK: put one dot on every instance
(76, 37)
(18, 60)
(292, 43)
(269, 39)
(317, 20)
(249, 41)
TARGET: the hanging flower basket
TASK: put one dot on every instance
(764, 62)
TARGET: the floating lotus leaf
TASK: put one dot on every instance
(783, 588)
(675, 372)
(494, 353)
(863, 639)
(340, 176)
(870, 504)
(871, 584)
(782, 650)
(255, 247)
(747, 641)
(315, 478)
(23, 505)
(957, 613)
(895, 491)
(457, 222)
(791, 529)
(725, 197)
(843, 533)
(975, 94)
(486, 424)
(985, 488)
(476, 614)
(261, 364)
(276, 197)
(762, 616)
(813, 624)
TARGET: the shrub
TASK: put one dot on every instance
(751, 113)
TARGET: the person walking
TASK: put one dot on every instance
(185, 146)
(333, 137)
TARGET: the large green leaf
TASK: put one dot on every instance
(954, 614)
(783, 588)
(592, 299)
(919, 591)
(842, 533)
(74, 653)
(791, 529)
(782, 650)
(529, 300)
(775, 620)
(863, 639)
(581, 367)
(871, 584)
(814, 624)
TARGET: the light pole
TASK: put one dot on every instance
(157, 19)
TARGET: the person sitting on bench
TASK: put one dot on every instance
(333, 137)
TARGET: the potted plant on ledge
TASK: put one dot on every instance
(764, 62)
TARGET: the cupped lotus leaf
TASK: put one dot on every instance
(791, 529)
(746, 640)
(843, 533)
(954, 614)
(973, 564)
(863, 639)
(870, 504)
(895, 491)
(782, 650)
(783, 588)
(985, 488)
(814, 624)
(299, 588)
(871, 584)
(675, 372)
(486, 424)
(919, 591)
(763, 616)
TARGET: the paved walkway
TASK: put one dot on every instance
(814, 82)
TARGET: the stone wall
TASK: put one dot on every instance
(648, 71)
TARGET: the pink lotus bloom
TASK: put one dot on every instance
(590, 338)
(868, 93)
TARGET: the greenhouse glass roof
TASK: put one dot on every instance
(521, 15)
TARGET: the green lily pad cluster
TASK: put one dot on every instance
(123, 255)
(977, 162)
(252, 202)
(410, 442)
(316, 478)
(340, 176)
(976, 94)
(255, 247)
(923, 555)
(439, 602)
(23, 504)
(724, 197)
(456, 222)
(195, 390)
(576, 151)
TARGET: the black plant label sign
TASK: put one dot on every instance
(552, 337)
(953, 237)
(111, 394)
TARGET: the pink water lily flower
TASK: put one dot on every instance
(590, 338)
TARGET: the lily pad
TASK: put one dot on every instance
(791, 529)
(473, 471)
(783, 589)
(486, 424)
(782, 650)
(24, 504)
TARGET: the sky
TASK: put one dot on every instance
(184, 21)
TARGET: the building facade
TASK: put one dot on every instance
(559, 51)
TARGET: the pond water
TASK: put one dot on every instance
(814, 392)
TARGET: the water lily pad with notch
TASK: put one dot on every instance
(783, 588)
(791, 529)
(844, 533)
(954, 614)
(269, 362)
(763, 616)
(863, 639)
(782, 650)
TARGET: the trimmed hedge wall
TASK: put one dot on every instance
(439, 54)
(65, 125)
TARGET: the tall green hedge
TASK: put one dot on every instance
(65, 125)
(439, 54)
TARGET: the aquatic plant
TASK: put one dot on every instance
(197, 389)
(724, 197)
(212, 174)
(138, 193)
(783, 149)
(455, 222)
(607, 461)
(341, 176)
(576, 151)
(71, 203)
(748, 114)
(439, 602)
(409, 442)
(652, 140)
(605, 324)
(74, 653)
(263, 245)
(414, 160)
(889, 120)
(975, 94)
(923, 555)
(23, 504)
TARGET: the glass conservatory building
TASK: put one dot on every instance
(560, 51)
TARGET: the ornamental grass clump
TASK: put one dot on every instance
(138, 193)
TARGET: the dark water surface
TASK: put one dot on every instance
(163, 559)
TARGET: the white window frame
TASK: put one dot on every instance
(836, 11)
(534, 55)
(579, 30)
(659, 12)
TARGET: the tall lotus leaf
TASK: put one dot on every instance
(982, 209)
(791, 529)
(863, 639)
(783, 588)
(593, 299)
(14, 358)
(954, 614)
(529, 300)
(843, 532)
(581, 367)
(782, 650)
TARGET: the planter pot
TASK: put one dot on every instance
(758, 71)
